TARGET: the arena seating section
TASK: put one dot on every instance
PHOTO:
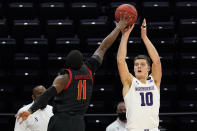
(36, 35)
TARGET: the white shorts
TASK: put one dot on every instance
(154, 129)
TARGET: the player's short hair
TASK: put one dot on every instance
(143, 57)
(74, 59)
(119, 103)
(36, 90)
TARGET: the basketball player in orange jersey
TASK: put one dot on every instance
(141, 92)
(72, 89)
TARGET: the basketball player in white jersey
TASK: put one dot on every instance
(141, 92)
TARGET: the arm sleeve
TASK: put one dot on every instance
(43, 99)
(94, 63)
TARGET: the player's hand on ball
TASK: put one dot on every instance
(128, 30)
(123, 21)
(143, 29)
(24, 115)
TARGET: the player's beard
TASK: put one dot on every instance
(122, 116)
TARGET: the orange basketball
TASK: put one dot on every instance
(131, 11)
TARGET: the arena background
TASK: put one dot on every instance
(36, 35)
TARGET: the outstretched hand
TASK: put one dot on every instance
(123, 21)
(128, 30)
(24, 115)
(143, 29)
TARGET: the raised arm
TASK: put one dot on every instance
(109, 40)
(58, 85)
(125, 76)
(156, 66)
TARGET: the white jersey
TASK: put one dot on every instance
(142, 105)
(117, 125)
(38, 121)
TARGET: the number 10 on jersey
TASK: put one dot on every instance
(146, 99)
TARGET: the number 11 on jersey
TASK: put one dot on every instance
(81, 85)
